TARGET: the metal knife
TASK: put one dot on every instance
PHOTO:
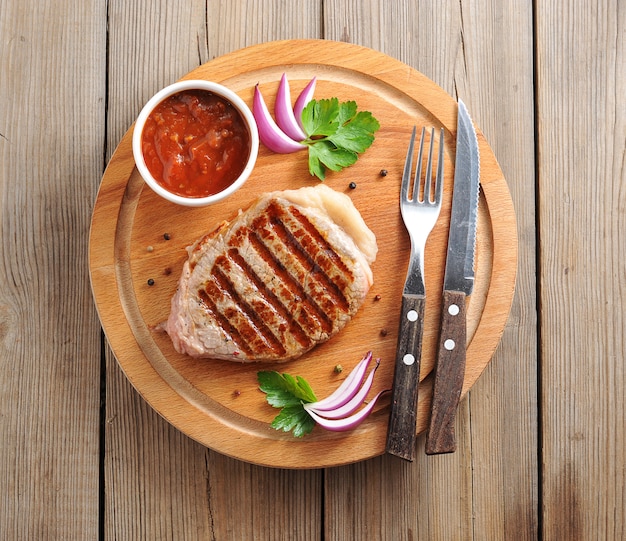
(457, 286)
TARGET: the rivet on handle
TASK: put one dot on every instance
(453, 310)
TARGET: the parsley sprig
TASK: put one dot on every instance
(288, 393)
(336, 134)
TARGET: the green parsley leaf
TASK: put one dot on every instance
(320, 118)
(325, 154)
(294, 418)
(347, 111)
(356, 135)
(288, 393)
(336, 134)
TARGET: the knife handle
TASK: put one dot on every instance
(402, 421)
(449, 375)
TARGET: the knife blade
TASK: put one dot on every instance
(457, 286)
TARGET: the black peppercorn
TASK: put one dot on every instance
(166, 236)
(383, 172)
(352, 185)
(150, 282)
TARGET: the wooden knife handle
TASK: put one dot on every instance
(449, 375)
(402, 421)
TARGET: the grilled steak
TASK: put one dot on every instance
(283, 276)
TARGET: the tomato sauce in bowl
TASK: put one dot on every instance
(195, 143)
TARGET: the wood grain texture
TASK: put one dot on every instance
(149, 45)
(482, 52)
(503, 408)
(51, 140)
(582, 211)
(401, 431)
(449, 372)
(159, 484)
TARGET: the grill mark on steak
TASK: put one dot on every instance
(250, 321)
(245, 327)
(342, 273)
(229, 330)
(309, 315)
(279, 230)
(311, 253)
(272, 299)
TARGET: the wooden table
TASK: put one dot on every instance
(541, 435)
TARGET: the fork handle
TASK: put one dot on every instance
(449, 375)
(402, 428)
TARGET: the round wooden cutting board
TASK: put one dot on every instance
(138, 239)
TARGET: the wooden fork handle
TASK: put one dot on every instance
(449, 375)
(402, 428)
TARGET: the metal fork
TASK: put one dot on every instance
(420, 205)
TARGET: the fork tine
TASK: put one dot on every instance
(408, 166)
(415, 193)
(429, 168)
(439, 179)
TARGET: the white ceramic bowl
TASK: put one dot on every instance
(218, 90)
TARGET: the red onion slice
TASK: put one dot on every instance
(346, 423)
(347, 389)
(305, 97)
(349, 407)
(269, 132)
(284, 113)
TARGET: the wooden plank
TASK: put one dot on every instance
(581, 128)
(51, 139)
(503, 408)
(160, 484)
(482, 52)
